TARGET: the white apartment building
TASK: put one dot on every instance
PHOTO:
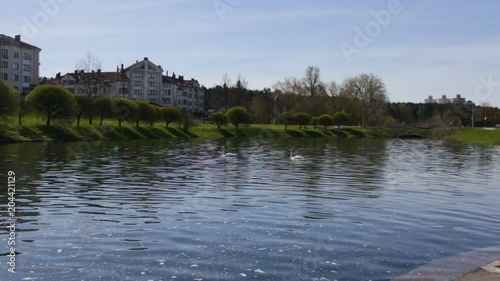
(94, 84)
(143, 80)
(19, 63)
(444, 100)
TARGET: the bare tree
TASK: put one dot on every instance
(226, 80)
(285, 92)
(88, 67)
(312, 84)
(333, 89)
(241, 82)
(89, 70)
(371, 93)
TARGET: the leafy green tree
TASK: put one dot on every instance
(219, 119)
(85, 107)
(124, 109)
(286, 118)
(171, 114)
(147, 113)
(103, 108)
(239, 115)
(303, 119)
(158, 115)
(315, 122)
(326, 120)
(9, 98)
(341, 119)
(52, 102)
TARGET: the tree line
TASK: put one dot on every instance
(56, 103)
(362, 98)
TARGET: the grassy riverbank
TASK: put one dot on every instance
(478, 135)
(33, 129)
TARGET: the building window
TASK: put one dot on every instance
(16, 54)
(190, 95)
(15, 77)
(138, 83)
(5, 54)
(152, 101)
(15, 66)
(26, 56)
(153, 84)
(26, 67)
(26, 90)
(137, 75)
(68, 82)
(138, 92)
(5, 64)
(26, 79)
(167, 101)
(123, 90)
(5, 76)
(184, 102)
(190, 103)
(184, 94)
(152, 75)
(152, 92)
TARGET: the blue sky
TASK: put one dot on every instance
(425, 48)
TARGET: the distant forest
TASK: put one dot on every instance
(363, 98)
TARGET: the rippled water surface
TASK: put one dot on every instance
(173, 210)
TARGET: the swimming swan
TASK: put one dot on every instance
(296, 157)
(227, 155)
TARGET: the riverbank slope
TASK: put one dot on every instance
(34, 130)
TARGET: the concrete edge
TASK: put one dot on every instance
(450, 268)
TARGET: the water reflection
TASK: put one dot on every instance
(352, 210)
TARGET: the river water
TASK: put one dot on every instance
(353, 209)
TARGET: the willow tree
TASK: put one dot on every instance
(52, 102)
(10, 99)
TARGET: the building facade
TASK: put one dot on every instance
(444, 100)
(19, 63)
(142, 80)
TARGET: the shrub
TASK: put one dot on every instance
(326, 120)
(219, 119)
(303, 119)
(286, 118)
(239, 115)
(52, 102)
(9, 98)
(171, 114)
(147, 113)
(124, 109)
(85, 107)
(315, 121)
(341, 118)
(103, 108)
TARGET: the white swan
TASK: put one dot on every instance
(296, 157)
(225, 156)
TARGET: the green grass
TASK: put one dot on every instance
(34, 129)
(477, 135)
